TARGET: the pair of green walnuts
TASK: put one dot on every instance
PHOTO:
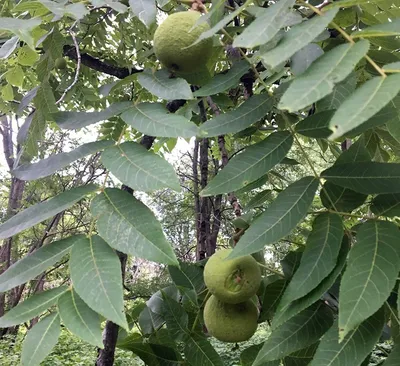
(230, 314)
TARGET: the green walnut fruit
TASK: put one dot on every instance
(232, 280)
(173, 38)
(60, 63)
(230, 322)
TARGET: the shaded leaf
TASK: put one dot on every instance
(393, 66)
(319, 257)
(47, 166)
(251, 164)
(189, 275)
(149, 321)
(198, 351)
(34, 264)
(42, 211)
(284, 313)
(8, 47)
(153, 119)
(222, 82)
(175, 317)
(355, 346)
(365, 177)
(130, 227)
(296, 38)
(258, 200)
(394, 357)
(138, 168)
(370, 275)
(386, 205)
(366, 101)
(21, 28)
(272, 295)
(253, 185)
(316, 125)
(320, 78)
(266, 26)
(301, 331)
(96, 276)
(302, 357)
(162, 85)
(303, 58)
(40, 340)
(240, 118)
(31, 307)
(75, 120)
(279, 219)
(337, 198)
(80, 319)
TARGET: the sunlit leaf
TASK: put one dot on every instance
(366, 101)
(279, 219)
(21, 28)
(162, 85)
(96, 277)
(370, 275)
(138, 168)
(320, 78)
(251, 164)
(130, 227)
(153, 119)
(80, 319)
(33, 306)
(40, 340)
(34, 264)
(145, 10)
(297, 37)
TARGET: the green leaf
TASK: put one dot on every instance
(365, 177)
(284, 313)
(15, 76)
(145, 10)
(303, 58)
(337, 198)
(302, 357)
(222, 82)
(8, 47)
(175, 317)
(198, 351)
(189, 275)
(380, 30)
(75, 120)
(366, 101)
(42, 211)
(162, 85)
(80, 319)
(258, 199)
(130, 227)
(316, 125)
(251, 164)
(297, 37)
(266, 26)
(340, 93)
(249, 112)
(21, 28)
(96, 277)
(386, 205)
(253, 185)
(355, 346)
(320, 78)
(154, 120)
(392, 67)
(272, 295)
(33, 306)
(279, 219)
(150, 321)
(319, 257)
(370, 275)
(34, 264)
(40, 340)
(139, 169)
(48, 166)
(394, 357)
(301, 331)
(249, 354)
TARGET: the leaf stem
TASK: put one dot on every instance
(272, 270)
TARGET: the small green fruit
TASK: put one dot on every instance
(234, 280)
(176, 33)
(230, 322)
(60, 63)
